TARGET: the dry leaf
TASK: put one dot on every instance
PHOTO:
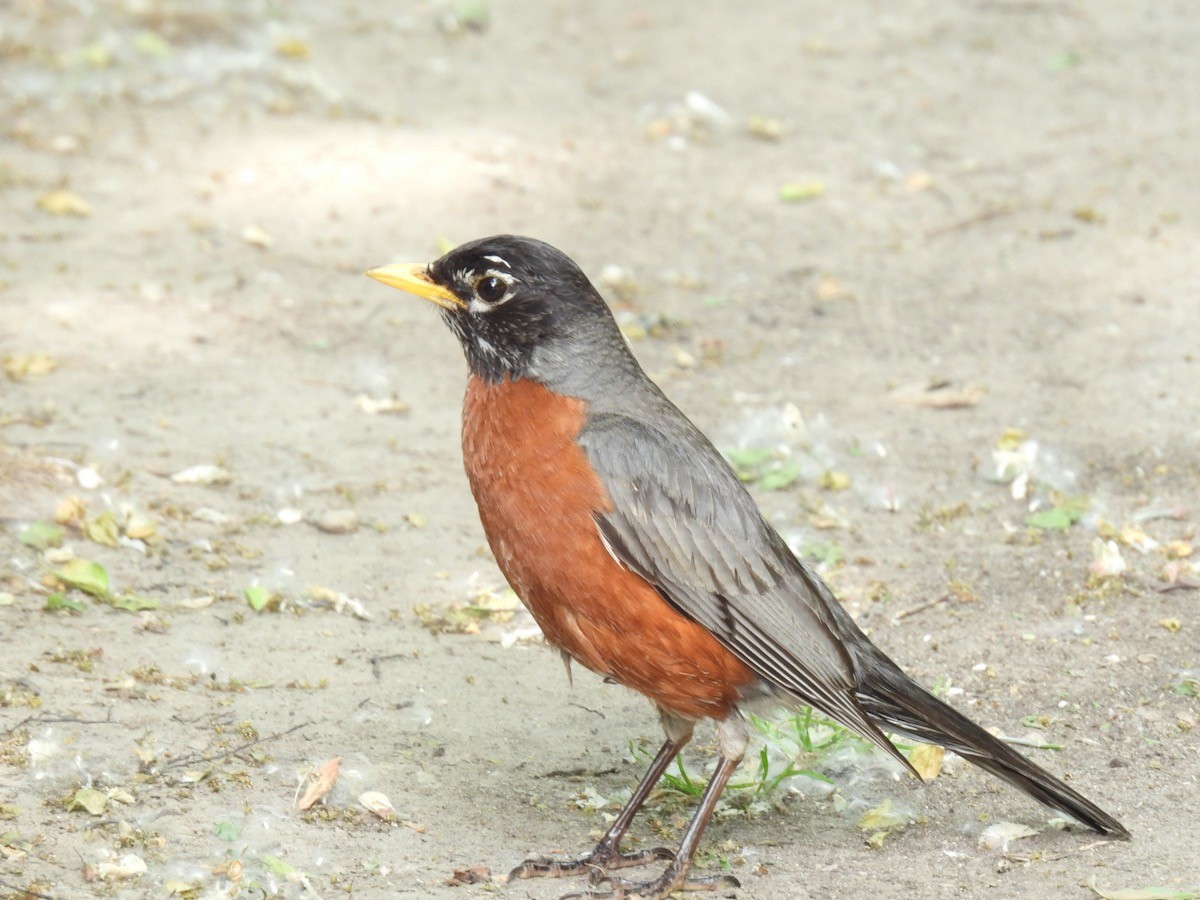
(89, 799)
(326, 775)
(128, 866)
(472, 875)
(64, 203)
(1133, 536)
(881, 816)
(293, 48)
(22, 366)
(927, 760)
(69, 511)
(378, 804)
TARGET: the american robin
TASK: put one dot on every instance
(641, 555)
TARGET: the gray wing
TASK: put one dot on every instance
(683, 521)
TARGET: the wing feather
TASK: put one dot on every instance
(682, 520)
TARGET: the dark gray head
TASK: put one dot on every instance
(520, 308)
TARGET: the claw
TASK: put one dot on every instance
(595, 864)
(623, 889)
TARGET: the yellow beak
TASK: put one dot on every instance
(413, 278)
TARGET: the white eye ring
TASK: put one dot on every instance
(491, 289)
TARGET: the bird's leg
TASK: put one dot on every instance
(675, 878)
(607, 854)
(732, 737)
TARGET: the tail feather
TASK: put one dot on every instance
(896, 703)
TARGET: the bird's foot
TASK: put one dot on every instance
(671, 880)
(595, 864)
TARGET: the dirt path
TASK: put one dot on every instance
(1000, 196)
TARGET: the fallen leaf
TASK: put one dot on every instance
(1145, 893)
(21, 367)
(1011, 439)
(140, 527)
(927, 760)
(472, 875)
(88, 799)
(152, 44)
(128, 866)
(339, 602)
(64, 203)
(322, 784)
(764, 129)
(41, 535)
(257, 596)
(1178, 549)
(1133, 536)
(70, 511)
(293, 48)
(882, 816)
(62, 601)
(378, 804)
(1054, 519)
(277, 866)
(102, 530)
(84, 575)
(802, 191)
(834, 481)
(133, 603)
(1172, 625)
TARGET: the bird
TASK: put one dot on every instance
(644, 558)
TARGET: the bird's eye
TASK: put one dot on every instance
(491, 289)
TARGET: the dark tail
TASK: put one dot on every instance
(896, 703)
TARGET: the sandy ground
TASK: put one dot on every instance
(999, 196)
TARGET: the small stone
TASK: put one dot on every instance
(337, 521)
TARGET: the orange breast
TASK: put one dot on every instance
(537, 498)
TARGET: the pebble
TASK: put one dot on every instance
(337, 521)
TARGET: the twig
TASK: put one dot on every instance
(201, 758)
(1029, 742)
(1051, 857)
(594, 712)
(25, 721)
(986, 216)
(579, 772)
(24, 892)
(42, 718)
(929, 604)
